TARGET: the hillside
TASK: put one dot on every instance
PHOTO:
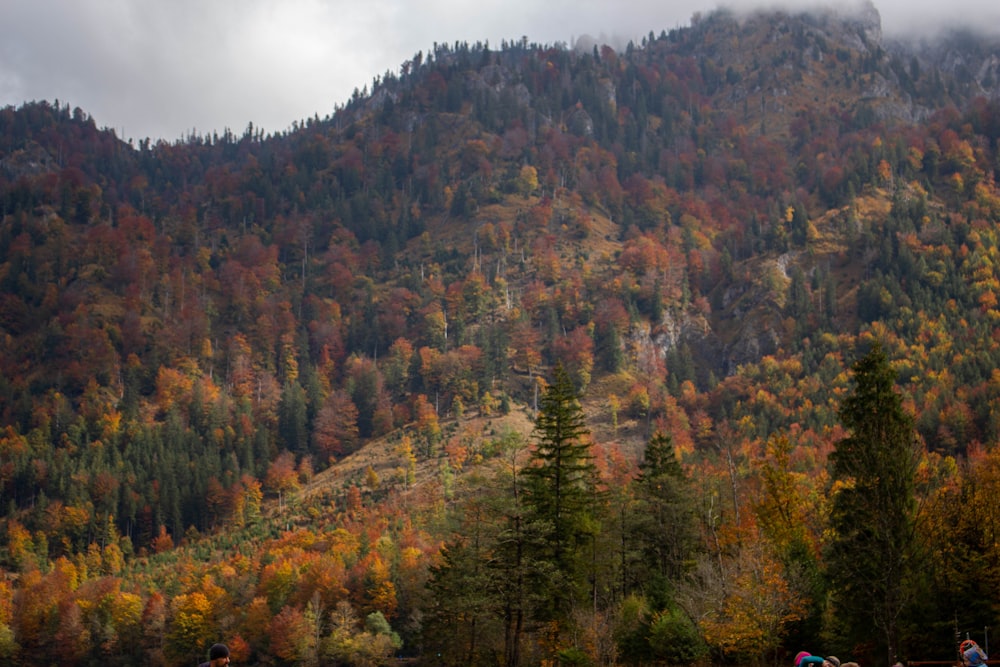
(284, 372)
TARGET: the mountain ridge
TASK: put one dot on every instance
(703, 230)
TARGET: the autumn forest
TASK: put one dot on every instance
(526, 354)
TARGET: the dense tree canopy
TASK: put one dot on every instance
(299, 391)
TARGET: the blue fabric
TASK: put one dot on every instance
(974, 656)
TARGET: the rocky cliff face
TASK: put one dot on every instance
(865, 22)
(824, 53)
(971, 64)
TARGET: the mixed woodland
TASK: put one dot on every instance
(524, 355)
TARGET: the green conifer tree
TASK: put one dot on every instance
(293, 423)
(873, 512)
(561, 489)
(664, 522)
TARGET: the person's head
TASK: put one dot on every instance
(218, 655)
(967, 644)
(831, 661)
(799, 656)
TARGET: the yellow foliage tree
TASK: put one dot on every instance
(191, 628)
(381, 589)
(527, 180)
(756, 605)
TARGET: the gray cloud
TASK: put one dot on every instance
(166, 68)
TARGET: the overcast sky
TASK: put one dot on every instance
(164, 68)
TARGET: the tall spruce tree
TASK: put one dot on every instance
(293, 421)
(484, 590)
(664, 524)
(561, 489)
(458, 623)
(874, 507)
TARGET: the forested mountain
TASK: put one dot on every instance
(523, 355)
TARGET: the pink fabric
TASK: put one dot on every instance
(799, 656)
